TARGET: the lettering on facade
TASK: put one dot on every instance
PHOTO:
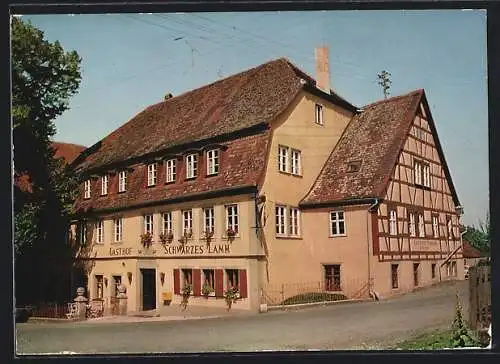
(198, 249)
(120, 251)
(425, 246)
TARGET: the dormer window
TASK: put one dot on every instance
(191, 165)
(353, 166)
(170, 170)
(212, 162)
(87, 189)
(104, 185)
(122, 181)
(319, 114)
(152, 174)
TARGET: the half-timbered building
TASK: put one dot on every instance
(264, 178)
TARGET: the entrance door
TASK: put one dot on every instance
(148, 289)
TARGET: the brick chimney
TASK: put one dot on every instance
(322, 69)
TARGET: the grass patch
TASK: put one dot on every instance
(432, 340)
(311, 297)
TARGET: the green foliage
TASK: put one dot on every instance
(460, 334)
(385, 82)
(479, 237)
(313, 297)
(433, 340)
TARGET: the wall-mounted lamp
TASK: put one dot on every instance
(162, 278)
(129, 276)
(105, 281)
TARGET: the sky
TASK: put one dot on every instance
(131, 61)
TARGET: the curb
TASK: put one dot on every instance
(314, 304)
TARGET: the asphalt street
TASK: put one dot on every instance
(364, 325)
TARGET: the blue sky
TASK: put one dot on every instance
(131, 61)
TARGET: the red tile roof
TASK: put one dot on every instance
(469, 251)
(375, 137)
(235, 103)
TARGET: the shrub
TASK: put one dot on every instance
(461, 337)
(310, 297)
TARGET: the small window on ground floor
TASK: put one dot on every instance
(332, 277)
(208, 281)
(232, 278)
(99, 287)
(187, 277)
(415, 274)
(117, 280)
(433, 270)
(454, 269)
(394, 276)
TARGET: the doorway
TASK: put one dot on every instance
(148, 289)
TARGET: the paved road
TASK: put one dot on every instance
(368, 325)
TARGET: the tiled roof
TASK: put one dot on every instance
(374, 137)
(235, 103)
(241, 164)
(469, 251)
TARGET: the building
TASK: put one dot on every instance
(471, 255)
(262, 179)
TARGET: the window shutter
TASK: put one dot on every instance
(243, 283)
(196, 282)
(177, 282)
(219, 283)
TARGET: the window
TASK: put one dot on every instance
(393, 222)
(411, 225)
(170, 170)
(283, 159)
(87, 189)
(187, 222)
(100, 232)
(232, 278)
(148, 224)
(415, 273)
(421, 226)
(99, 287)
(213, 162)
(318, 114)
(104, 185)
(167, 222)
(152, 174)
(435, 226)
(232, 218)
(332, 277)
(449, 227)
(454, 269)
(122, 181)
(187, 277)
(118, 227)
(296, 165)
(83, 233)
(280, 220)
(353, 166)
(209, 219)
(208, 279)
(394, 276)
(337, 223)
(117, 280)
(426, 175)
(418, 173)
(294, 221)
(433, 270)
(191, 165)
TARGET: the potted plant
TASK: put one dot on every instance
(166, 237)
(186, 292)
(209, 235)
(231, 295)
(206, 290)
(231, 233)
(188, 234)
(146, 239)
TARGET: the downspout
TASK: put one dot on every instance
(370, 210)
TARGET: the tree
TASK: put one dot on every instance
(385, 82)
(479, 237)
(44, 77)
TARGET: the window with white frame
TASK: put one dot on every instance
(148, 224)
(83, 233)
(411, 226)
(104, 185)
(187, 222)
(294, 221)
(87, 185)
(280, 220)
(337, 223)
(232, 278)
(418, 173)
(296, 162)
(212, 162)
(118, 228)
(167, 222)
(283, 159)
(393, 222)
(232, 218)
(426, 175)
(208, 220)
(187, 277)
(435, 226)
(152, 174)
(449, 226)
(100, 232)
(170, 170)
(122, 181)
(319, 114)
(421, 226)
(191, 165)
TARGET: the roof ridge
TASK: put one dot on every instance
(394, 98)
